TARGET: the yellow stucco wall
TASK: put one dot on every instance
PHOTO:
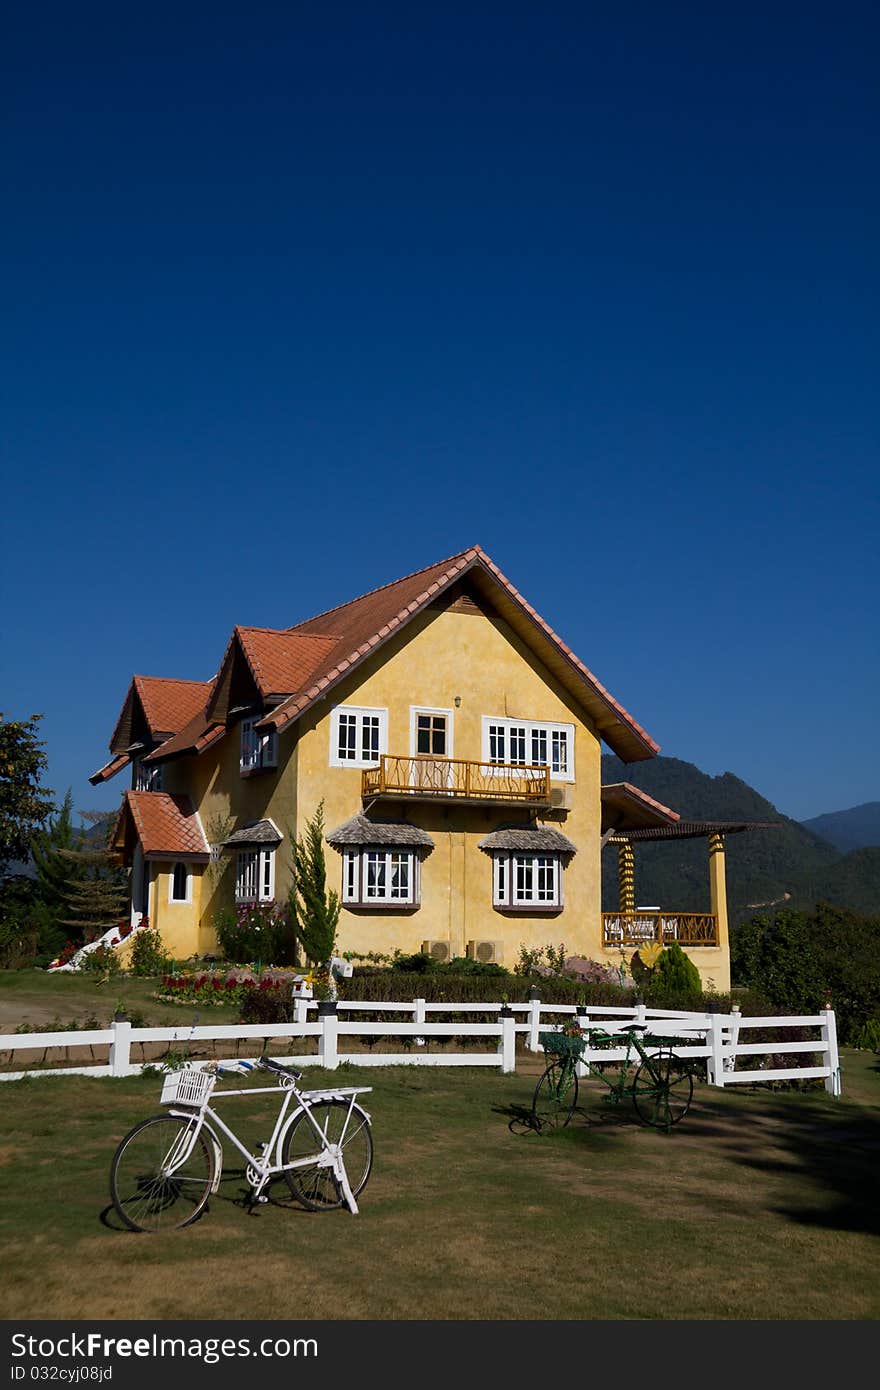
(178, 923)
(439, 657)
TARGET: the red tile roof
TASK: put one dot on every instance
(626, 807)
(197, 735)
(281, 662)
(110, 769)
(165, 824)
(365, 623)
(169, 704)
(303, 662)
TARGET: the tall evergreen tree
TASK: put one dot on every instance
(313, 909)
(96, 888)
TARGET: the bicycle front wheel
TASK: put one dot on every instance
(663, 1089)
(349, 1127)
(153, 1185)
(556, 1096)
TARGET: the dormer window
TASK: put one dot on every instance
(259, 749)
(147, 776)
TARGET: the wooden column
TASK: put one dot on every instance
(718, 897)
(626, 877)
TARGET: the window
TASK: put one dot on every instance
(259, 749)
(521, 744)
(148, 777)
(358, 737)
(255, 876)
(380, 877)
(179, 886)
(528, 882)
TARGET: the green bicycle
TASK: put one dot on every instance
(662, 1086)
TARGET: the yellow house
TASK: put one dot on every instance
(454, 740)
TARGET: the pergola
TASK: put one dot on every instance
(631, 817)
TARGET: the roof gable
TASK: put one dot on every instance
(156, 707)
(366, 623)
(165, 825)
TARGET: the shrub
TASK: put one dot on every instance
(267, 1003)
(103, 961)
(257, 933)
(674, 978)
(798, 959)
(148, 954)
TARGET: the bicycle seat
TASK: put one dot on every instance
(634, 1028)
(268, 1065)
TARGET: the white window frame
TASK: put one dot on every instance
(531, 727)
(505, 879)
(148, 777)
(258, 749)
(187, 869)
(255, 867)
(360, 713)
(355, 873)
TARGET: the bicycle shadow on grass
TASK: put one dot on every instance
(521, 1120)
(236, 1194)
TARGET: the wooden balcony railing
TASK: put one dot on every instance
(452, 779)
(635, 928)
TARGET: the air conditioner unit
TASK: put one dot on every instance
(560, 798)
(489, 952)
(438, 950)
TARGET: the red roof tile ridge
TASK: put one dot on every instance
(171, 680)
(643, 796)
(461, 555)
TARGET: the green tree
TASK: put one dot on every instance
(96, 889)
(24, 804)
(314, 910)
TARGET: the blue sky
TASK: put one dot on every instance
(299, 298)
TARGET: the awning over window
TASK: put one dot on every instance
(536, 839)
(360, 830)
(261, 832)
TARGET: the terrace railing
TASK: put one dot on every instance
(635, 928)
(426, 778)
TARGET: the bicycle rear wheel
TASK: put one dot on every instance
(556, 1096)
(151, 1190)
(663, 1089)
(349, 1126)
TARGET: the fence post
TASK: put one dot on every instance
(328, 1041)
(120, 1049)
(735, 1016)
(507, 1049)
(534, 1020)
(829, 1037)
(714, 1063)
(583, 1021)
(419, 1017)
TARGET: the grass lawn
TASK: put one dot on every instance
(759, 1205)
(38, 998)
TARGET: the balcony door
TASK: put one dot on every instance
(431, 749)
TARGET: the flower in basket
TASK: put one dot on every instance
(572, 1030)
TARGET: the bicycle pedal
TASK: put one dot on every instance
(261, 1199)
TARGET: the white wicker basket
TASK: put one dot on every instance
(187, 1087)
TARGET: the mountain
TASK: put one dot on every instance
(789, 864)
(857, 828)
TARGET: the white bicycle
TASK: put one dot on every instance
(166, 1168)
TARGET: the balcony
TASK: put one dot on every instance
(425, 778)
(635, 928)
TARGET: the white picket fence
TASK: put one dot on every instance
(714, 1037)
